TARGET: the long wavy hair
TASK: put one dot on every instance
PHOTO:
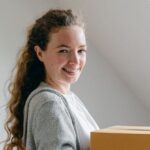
(29, 71)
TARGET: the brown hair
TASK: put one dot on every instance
(29, 71)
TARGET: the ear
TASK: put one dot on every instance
(39, 52)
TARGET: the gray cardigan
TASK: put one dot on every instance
(48, 122)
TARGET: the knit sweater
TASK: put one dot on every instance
(49, 123)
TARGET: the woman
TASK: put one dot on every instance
(44, 113)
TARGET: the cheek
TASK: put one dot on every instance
(56, 63)
(61, 60)
(49, 63)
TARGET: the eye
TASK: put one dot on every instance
(81, 51)
(63, 51)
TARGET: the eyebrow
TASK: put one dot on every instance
(63, 45)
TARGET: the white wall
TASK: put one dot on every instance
(119, 29)
(117, 100)
(106, 96)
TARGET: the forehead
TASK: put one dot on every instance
(70, 34)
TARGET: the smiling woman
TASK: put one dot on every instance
(43, 111)
(64, 57)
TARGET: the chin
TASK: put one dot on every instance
(74, 80)
(71, 80)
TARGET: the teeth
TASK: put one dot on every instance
(71, 70)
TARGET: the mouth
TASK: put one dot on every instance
(71, 71)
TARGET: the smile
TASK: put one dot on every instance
(71, 71)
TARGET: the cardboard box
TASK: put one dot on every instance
(121, 138)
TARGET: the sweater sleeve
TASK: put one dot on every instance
(52, 128)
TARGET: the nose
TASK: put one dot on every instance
(74, 58)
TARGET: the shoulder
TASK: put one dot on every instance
(43, 94)
(43, 98)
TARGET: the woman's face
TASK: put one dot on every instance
(65, 55)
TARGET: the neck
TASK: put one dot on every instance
(62, 88)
